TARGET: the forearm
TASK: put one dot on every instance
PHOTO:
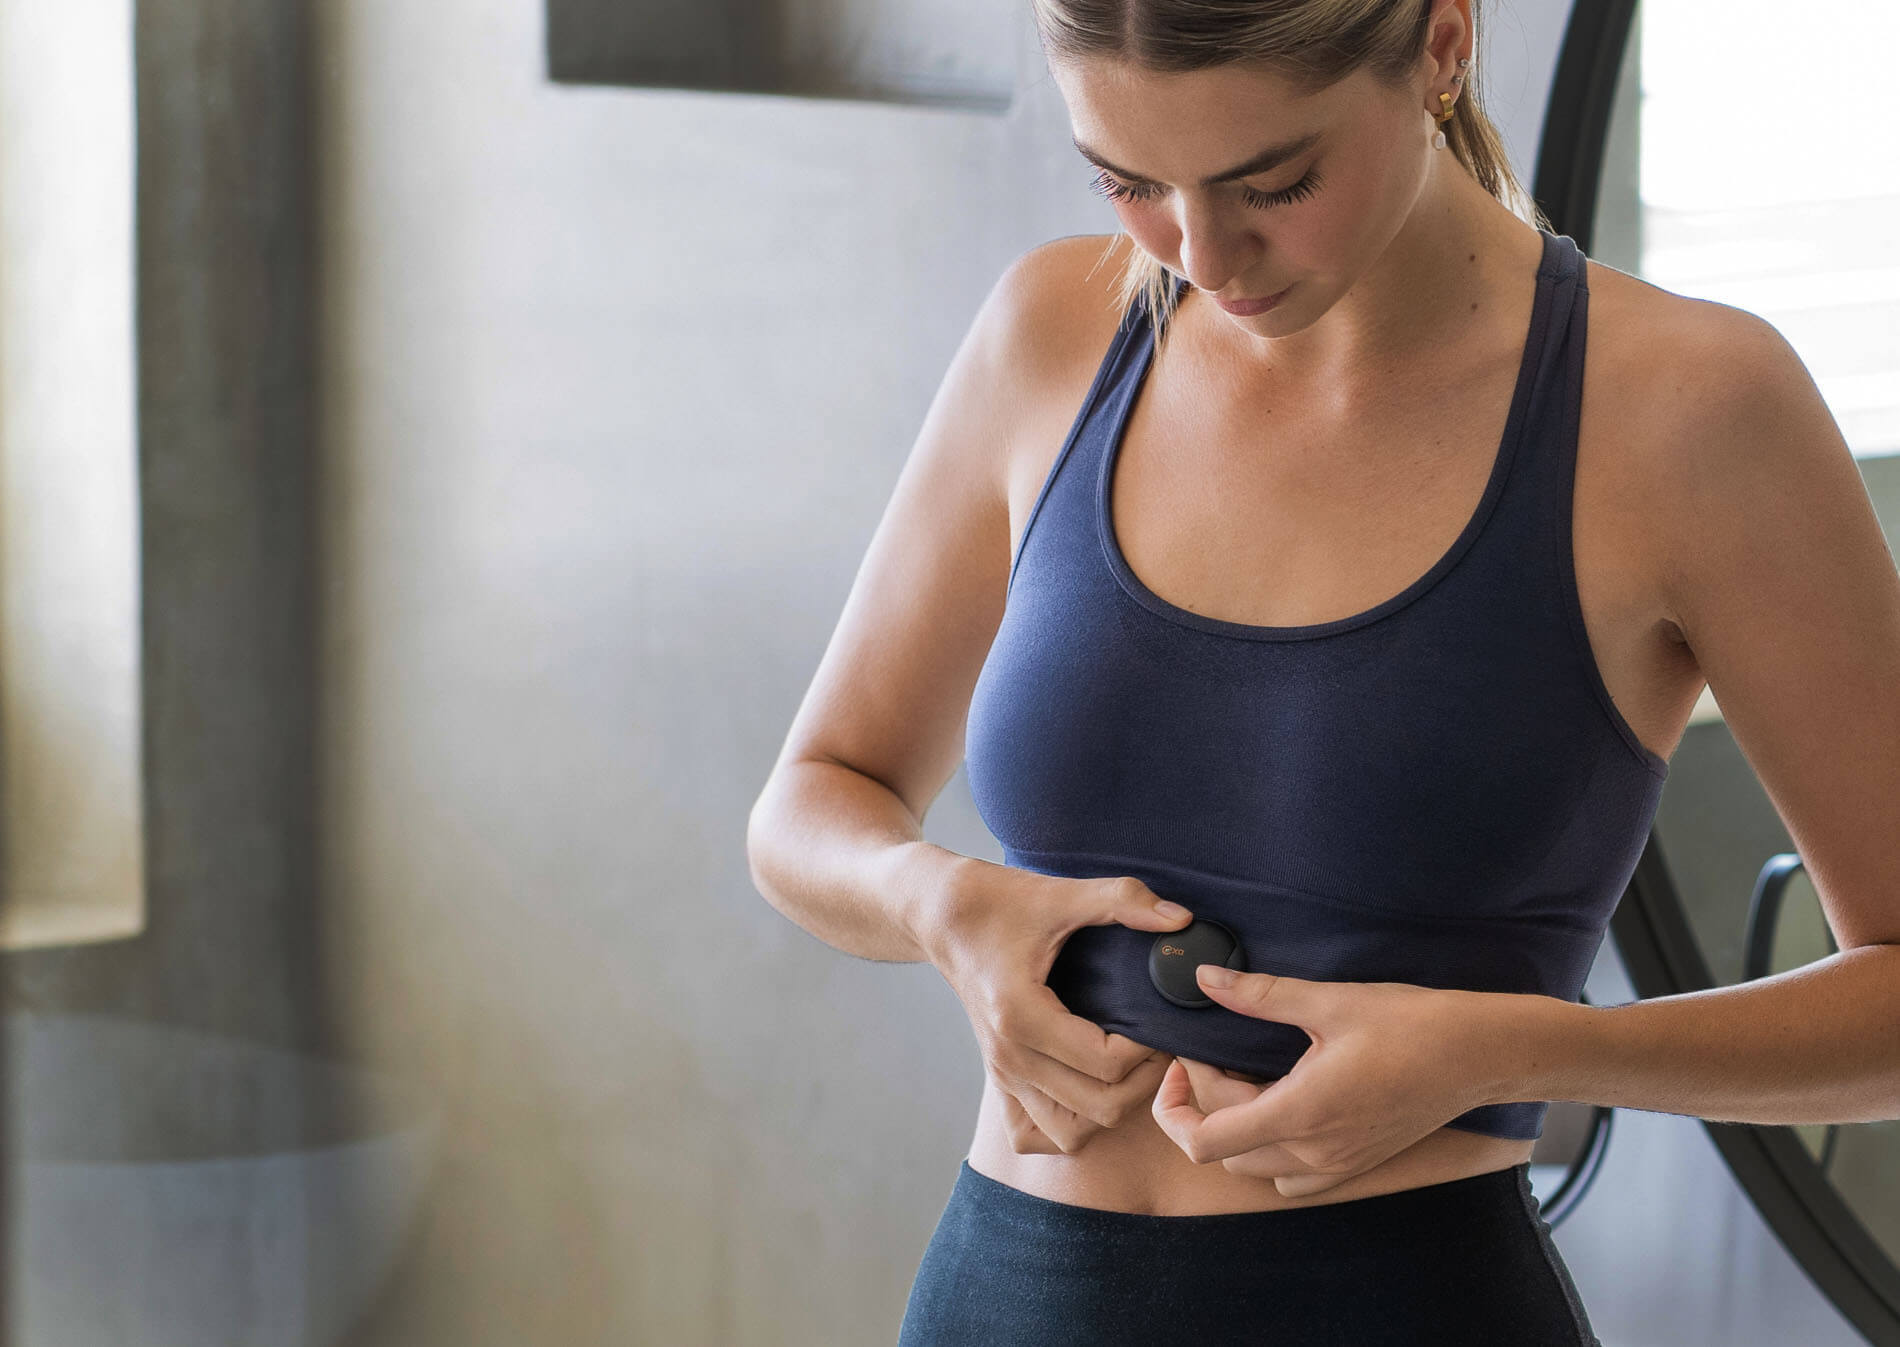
(1816, 1044)
(843, 857)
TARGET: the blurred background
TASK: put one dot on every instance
(436, 440)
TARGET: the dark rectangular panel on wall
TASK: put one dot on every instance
(957, 53)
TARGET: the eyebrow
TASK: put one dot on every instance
(1271, 157)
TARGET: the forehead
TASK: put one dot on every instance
(1187, 125)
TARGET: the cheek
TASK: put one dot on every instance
(1343, 210)
(1349, 220)
(1151, 227)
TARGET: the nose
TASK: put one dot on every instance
(1214, 247)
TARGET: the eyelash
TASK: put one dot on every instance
(1116, 190)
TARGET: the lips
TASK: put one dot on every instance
(1245, 307)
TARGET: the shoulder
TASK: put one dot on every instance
(1054, 312)
(1073, 260)
(1045, 313)
(1701, 388)
(1683, 358)
(1718, 428)
(1061, 294)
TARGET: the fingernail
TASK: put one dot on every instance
(1216, 976)
(1168, 909)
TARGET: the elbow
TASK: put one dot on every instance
(757, 844)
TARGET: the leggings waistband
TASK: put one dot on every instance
(1402, 1215)
(1448, 1264)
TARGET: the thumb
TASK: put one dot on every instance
(1265, 996)
(1129, 902)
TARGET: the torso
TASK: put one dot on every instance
(1244, 506)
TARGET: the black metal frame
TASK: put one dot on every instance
(1651, 927)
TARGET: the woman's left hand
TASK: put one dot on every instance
(1390, 1063)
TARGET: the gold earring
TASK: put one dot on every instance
(1444, 114)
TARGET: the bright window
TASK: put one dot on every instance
(71, 826)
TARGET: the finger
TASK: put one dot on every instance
(1069, 1130)
(1305, 1185)
(1028, 1133)
(1214, 1088)
(1137, 1088)
(1174, 1108)
(1123, 900)
(1267, 1162)
(1025, 1138)
(1034, 1017)
(1231, 1130)
(1276, 1160)
(1102, 1103)
(1269, 996)
(1179, 1113)
(1298, 1178)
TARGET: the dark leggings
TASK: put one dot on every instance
(1468, 1262)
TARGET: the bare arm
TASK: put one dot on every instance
(1786, 590)
(835, 840)
(842, 856)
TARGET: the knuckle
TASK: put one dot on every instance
(991, 1006)
(1121, 1105)
(1006, 1018)
(1117, 1060)
(1137, 1055)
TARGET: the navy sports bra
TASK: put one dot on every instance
(1437, 790)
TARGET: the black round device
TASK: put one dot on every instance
(1175, 955)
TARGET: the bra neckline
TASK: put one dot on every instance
(1554, 265)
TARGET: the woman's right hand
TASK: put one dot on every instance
(993, 932)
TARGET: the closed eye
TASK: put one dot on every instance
(1107, 185)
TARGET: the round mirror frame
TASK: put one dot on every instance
(1650, 926)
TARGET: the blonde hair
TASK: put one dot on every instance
(1310, 43)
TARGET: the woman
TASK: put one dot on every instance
(1361, 623)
